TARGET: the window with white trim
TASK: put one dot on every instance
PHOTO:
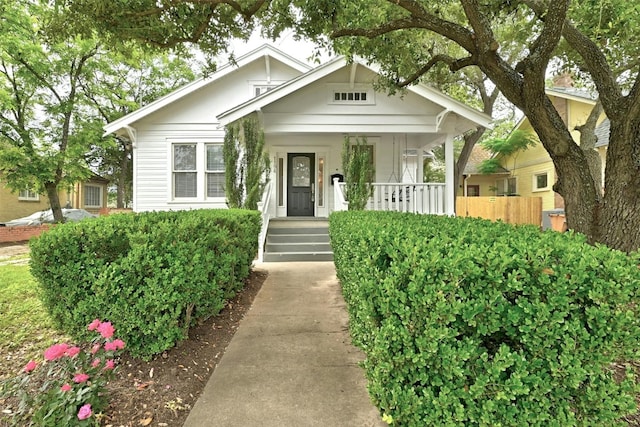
(92, 196)
(28, 195)
(541, 181)
(185, 171)
(215, 171)
(507, 187)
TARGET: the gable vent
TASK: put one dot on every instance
(355, 96)
(342, 94)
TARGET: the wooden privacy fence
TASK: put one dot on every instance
(512, 210)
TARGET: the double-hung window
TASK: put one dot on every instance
(541, 181)
(185, 170)
(197, 171)
(28, 195)
(215, 171)
(507, 187)
(93, 196)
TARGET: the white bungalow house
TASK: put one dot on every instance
(305, 114)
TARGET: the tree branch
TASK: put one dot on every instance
(454, 65)
(594, 60)
(419, 19)
(554, 19)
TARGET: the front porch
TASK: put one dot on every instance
(307, 238)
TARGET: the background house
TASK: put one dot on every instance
(477, 184)
(531, 173)
(90, 195)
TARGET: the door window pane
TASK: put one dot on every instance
(301, 171)
(280, 181)
(320, 192)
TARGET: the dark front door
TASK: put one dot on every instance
(300, 184)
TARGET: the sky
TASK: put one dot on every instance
(299, 49)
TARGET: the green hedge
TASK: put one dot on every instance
(151, 274)
(472, 323)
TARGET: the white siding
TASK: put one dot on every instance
(191, 119)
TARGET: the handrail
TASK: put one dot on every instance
(263, 207)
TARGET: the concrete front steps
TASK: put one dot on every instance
(296, 239)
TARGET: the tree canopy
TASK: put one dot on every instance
(513, 43)
(56, 93)
(42, 134)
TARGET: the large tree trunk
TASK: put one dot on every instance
(54, 201)
(588, 142)
(470, 141)
(574, 180)
(619, 225)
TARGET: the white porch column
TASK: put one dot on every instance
(420, 173)
(449, 162)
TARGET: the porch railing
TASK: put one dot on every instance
(427, 198)
(339, 201)
(263, 207)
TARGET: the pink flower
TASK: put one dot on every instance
(106, 329)
(30, 366)
(56, 351)
(95, 348)
(94, 325)
(110, 364)
(95, 363)
(80, 378)
(65, 387)
(72, 352)
(114, 345)
(84, 412)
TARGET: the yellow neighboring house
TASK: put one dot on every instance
(475, 183)
(531, 173)
(90, 195)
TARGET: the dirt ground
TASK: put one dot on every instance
(161, 392)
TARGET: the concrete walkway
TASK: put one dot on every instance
(291, 362)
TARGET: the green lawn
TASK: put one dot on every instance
(25, 327)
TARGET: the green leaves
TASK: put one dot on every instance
(153, 274)
(357, 164)
(468, 322)
(247, 165)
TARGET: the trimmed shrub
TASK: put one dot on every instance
(474, 323)
(154, 274)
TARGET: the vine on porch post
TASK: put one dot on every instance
(247, 166)
(359, 171)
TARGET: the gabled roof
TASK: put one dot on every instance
(478, 155)
(262, 51)
(573, 93)
(449, 104)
